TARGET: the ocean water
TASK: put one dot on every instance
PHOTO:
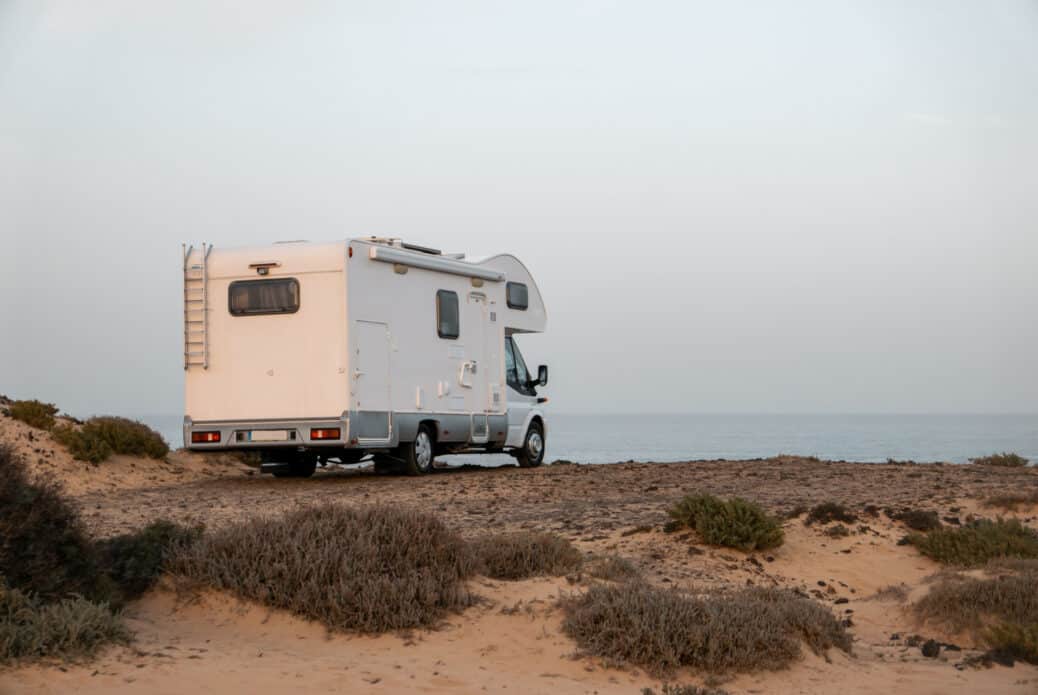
(676, 437)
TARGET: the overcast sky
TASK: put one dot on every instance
(729, 207)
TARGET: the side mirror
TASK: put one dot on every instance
(542, 375)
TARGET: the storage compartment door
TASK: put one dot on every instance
(371, 380)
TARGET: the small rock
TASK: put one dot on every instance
(931, 648)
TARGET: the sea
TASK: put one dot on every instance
(585, 438)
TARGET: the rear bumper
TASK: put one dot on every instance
(238, 434)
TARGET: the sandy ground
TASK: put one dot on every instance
(512, 642)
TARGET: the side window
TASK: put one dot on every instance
(517, 296)
(256, 297)
(447, 325)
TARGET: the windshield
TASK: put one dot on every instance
(516, 373)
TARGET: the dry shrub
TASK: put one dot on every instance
(827, 512)
(669, 689)
(1005, 460)
(960, 602)
(525, 554)
(368, 570)
(70, 628)
(100, 437)
(613, 568)
(918, 519)
(134, 561)
(1012, 501)
(977, 543)
(734, 523)
(1006, 603)
(34, 413)
(43, 546)
(837, 531)
(662, 630)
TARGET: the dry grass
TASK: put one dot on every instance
(34, 413)
(1012, 501)
(892, 592)
(525, 554)
(71, 628)
(370, 570)
(978, 543)
(613, 568)
(662, 630)
(1005, 460)
(734, 523)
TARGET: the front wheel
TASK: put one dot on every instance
(418, 455)
(532, 453)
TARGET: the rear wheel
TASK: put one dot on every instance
(418, 455)
(300, 464)
(532, 453)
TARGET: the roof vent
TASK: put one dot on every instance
(422, 249)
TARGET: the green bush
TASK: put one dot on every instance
(35, 413)
(134, 561)
(69, 628)
(368, 570)
(734, 523)
(1016, 640)
(1006, 460)
(100, 437)
(662, 630)
(977, 543)
(82, 447)
(43, 546)
(525, 554)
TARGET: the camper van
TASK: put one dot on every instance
(310, 353)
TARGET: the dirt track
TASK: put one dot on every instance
(580, 501)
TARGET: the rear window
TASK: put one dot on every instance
(255, 297)
(517, 295)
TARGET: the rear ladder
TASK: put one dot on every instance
(196, 306)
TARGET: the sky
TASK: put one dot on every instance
(729, 207)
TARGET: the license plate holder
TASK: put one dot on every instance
(268, 436)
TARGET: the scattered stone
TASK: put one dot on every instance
(931, 649)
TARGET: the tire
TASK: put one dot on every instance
(300, 465)
(418, 456)
(532, 453)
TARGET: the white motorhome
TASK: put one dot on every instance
(317, 352)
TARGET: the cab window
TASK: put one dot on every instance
(516, 374)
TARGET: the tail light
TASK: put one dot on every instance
(205, 437)
(326, 433)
